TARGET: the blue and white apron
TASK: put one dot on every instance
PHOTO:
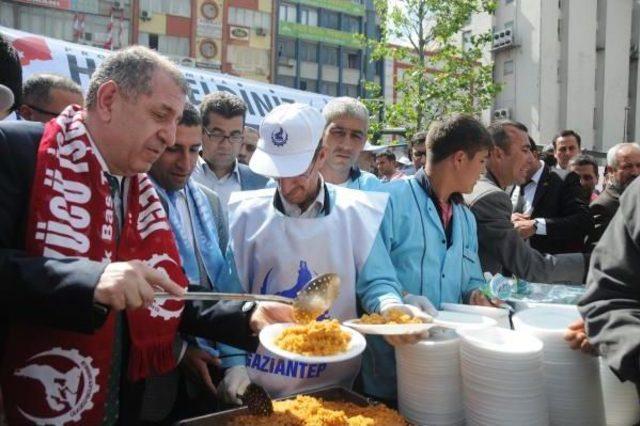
(277, 254)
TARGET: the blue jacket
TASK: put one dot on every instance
(424, 264)
(362, 180)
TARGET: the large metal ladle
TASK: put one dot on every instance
(311, 302)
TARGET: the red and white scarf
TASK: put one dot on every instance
(51, 376)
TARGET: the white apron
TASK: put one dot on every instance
(276, 254)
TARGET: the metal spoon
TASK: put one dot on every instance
(316, 297)
(311, 302)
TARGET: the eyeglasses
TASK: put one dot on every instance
(217, 136)
(43, 111)
(418, 154)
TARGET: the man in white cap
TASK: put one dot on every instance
(282, 237)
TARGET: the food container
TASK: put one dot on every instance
(328, 394)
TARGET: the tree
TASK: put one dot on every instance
(443, 75)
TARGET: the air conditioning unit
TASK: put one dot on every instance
(502, 38)
(261, 32)
(502, 114)
(145, 15)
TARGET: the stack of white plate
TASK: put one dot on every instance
(572, 379)
(501, 316)
(502, 378)
(429, 383)
(621, 405)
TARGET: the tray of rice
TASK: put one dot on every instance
(330, 406)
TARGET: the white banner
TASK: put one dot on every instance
(43, 54)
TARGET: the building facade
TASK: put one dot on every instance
(316, 49)
(567, 64)
(234, 37)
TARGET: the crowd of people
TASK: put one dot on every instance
(110, 196)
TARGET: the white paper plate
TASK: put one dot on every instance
(270, 333)
(388, 329)
(463, 321)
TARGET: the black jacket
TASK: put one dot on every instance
(59, 292)
(558, 200)
(611, 305)
(602, 209)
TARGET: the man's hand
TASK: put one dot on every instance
(235, 383)
(525, 227)
(576, 338)
(519, 216)
(478, 298)
(421, 302)
(404, 339)
(267, 313)
(195, 364)
(130, 285)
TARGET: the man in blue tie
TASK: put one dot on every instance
(200, 227)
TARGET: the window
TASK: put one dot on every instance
(171, 7)
(329, 55)
(170, 45)
(508, 67)
(351, 59)
(286, 48)
(309, 51)
(329, 88)
(285, 80)
(329, 19)
(287, 12)
(153, 41)
(350, 90)
(308, 85)
(249, 18)
(309, 16)
(351, 24)
(466, 40)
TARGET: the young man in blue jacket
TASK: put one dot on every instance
(431, 236)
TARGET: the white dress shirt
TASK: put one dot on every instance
(529, 194)
(223, 186)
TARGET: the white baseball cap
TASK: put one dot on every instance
(289, 136)
(6, 98)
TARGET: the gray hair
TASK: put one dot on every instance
(498, 132)
(37, 88)
(612, 154)
(132, 69)
(346, 106)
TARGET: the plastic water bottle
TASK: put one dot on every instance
(498, 286)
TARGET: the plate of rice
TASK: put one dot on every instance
(395, 323)
(314, 342)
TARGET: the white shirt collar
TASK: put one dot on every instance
(235, 171)
(536, 177)
(314, 209)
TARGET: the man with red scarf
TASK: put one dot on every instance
(83, 235)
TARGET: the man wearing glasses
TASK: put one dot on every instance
(223, 118)
(44, 96)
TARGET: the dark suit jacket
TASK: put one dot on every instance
(59, 292)
(559, 201)
(611, 305)
(602, 209)
(501, 248)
